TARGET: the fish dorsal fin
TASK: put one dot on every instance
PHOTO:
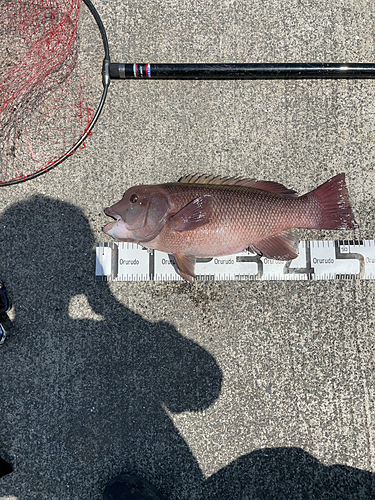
(273, 187)
(215, 179)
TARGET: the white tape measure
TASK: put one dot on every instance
(317, 260)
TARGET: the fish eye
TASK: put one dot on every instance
(133, 198)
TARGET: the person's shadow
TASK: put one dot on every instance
(83, 399)
(86, 398)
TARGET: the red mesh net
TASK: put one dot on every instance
(43, 111)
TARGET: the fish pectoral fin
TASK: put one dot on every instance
(195, 214)
(281, 246)
(185, 265)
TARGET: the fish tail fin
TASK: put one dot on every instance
(334, 210)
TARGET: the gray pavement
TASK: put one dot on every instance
(216, 390)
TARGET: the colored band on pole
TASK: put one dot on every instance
(141, 70)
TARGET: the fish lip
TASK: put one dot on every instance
(108, 227)
(108, 211)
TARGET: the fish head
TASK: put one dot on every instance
(140, 215)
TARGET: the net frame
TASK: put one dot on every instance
(58, 59)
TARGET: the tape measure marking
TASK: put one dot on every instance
(317, 260)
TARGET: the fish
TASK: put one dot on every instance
(204, 215)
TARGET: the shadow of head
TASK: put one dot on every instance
(46, 244)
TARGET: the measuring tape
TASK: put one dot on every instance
(317, 260)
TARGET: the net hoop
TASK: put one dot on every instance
(80, 143)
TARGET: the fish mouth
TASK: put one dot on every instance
(108, 227)
(108, 211)
(118, 229)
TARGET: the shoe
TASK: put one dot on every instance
(5, 468)
(5, 304)
(3, 334)
(130, 487)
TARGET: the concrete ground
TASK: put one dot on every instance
(223, 390)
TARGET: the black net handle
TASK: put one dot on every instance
(234, 71)
(229, 71)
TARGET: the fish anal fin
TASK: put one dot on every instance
(273, 187)
(281, 246)
(185, 265)
(195, 214)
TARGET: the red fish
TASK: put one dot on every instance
(207, 216)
